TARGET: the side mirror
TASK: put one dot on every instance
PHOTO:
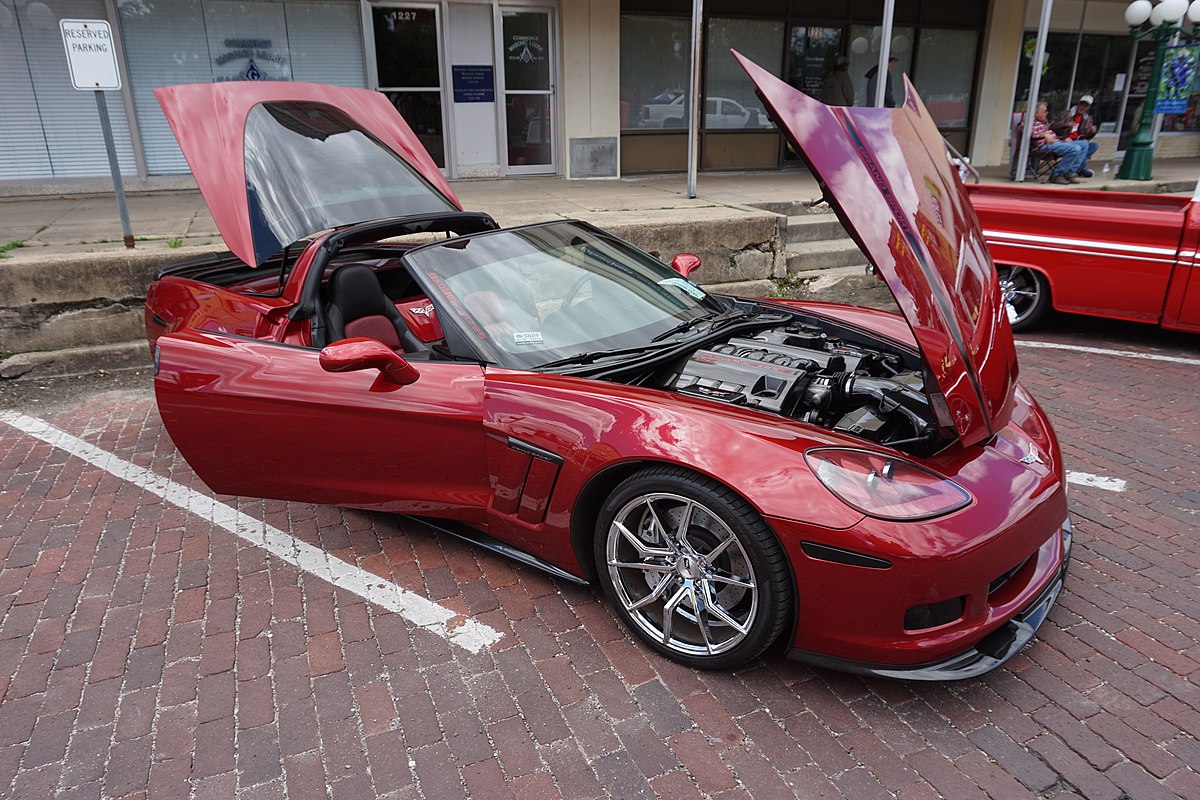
(685, 263)
(349, 355)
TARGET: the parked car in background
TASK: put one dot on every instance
(719, 112)
(874, 491)
(1120, 255)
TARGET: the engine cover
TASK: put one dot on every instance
(732, 378)
(801, 373)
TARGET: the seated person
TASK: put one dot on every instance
(1076, 125)
(1070, 154)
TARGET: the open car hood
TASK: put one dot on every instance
(277, 162)
(886, 173)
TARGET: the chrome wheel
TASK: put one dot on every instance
(681, 574)
(1025, 293)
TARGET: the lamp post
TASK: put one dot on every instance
(1166, 19)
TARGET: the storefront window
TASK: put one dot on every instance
(406, 52)
(1099, 71)
(730, 101)
(1187, 121)
(655, 68)
(1136, 102)
(810, 62)
(199, 41)
(946, 92)
(864, 59)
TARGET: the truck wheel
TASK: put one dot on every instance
(692, 569)
(1026, 294)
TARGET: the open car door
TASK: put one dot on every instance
(264, 419)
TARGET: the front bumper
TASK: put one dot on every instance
(992, 651)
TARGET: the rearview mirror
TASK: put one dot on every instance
(685, 263)
(349, 355)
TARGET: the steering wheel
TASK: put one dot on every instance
(574, 290)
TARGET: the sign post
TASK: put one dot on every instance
(93, 62)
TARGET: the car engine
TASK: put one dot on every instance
(802, 372)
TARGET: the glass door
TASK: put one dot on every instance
(409, 69)
(529, 105)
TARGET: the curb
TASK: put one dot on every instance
(76, 361)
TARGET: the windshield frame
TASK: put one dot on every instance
(474, 340)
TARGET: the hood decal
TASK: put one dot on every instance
(885, 173)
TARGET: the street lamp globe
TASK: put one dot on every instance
(1168, 11)
(1174, 10)
(1193, 12)
(1138, 12)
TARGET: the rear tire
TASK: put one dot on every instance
(1025, 293)
(692, 569)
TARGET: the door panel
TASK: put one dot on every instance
(1182, 307)
(263, 419)
(1189, 311)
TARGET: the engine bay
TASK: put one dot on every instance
(807, 373)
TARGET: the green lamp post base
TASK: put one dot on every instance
(1138, 163)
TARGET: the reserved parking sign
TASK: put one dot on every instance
(90, 54)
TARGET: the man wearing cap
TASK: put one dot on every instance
(1076, 125)
(889, 99)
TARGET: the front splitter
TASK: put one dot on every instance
(996, 648)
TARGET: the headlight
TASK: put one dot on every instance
(884, 486)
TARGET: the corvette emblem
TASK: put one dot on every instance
(425, 311)
(1033, 457)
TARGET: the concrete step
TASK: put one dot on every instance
(821, 255)
(852, 285)
(69, 362)
(814, 227)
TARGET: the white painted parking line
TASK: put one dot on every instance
(1105, 352)
(424, 613)
(1096, 481)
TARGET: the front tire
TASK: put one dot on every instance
(1026, 295)
(692, 569)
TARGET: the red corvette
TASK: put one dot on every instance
(875, 492)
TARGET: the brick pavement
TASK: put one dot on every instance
(145, 652)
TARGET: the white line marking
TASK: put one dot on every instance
(1103, 352)
(470, 635)
(1097, 481)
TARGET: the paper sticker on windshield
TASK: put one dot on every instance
(685, 284)
(531, 337)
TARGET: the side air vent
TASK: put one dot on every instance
(837, 555)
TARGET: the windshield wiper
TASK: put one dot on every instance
(720, 320)
(588, 358)
(686, 325)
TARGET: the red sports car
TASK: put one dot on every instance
(875, 492)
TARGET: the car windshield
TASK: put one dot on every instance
(531, 296)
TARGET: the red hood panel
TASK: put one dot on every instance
(887, 175)
(209, 121)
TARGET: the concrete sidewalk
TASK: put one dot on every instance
(177, 223)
